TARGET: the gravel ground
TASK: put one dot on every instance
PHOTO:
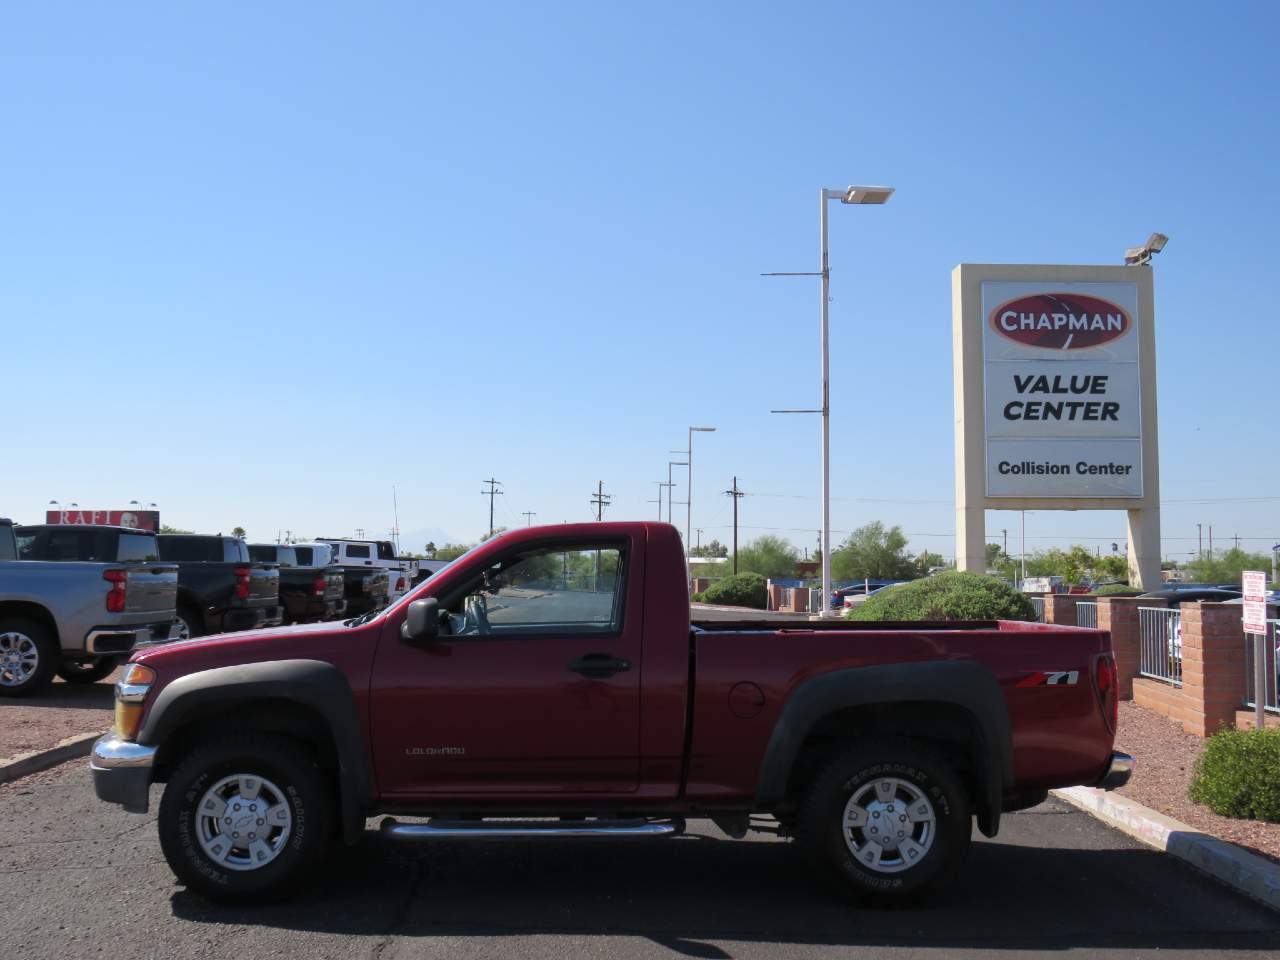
(1165, 757)
(61, 711)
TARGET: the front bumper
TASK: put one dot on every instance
(122, 771)
(1119, 769)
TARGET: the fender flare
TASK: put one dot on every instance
(966, 685)
(312, 683)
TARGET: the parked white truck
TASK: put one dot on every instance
(101, 593)
(380, 554)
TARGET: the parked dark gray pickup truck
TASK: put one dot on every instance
(308, 593)
(76, 600)
(219, 588)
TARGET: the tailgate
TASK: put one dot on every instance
(264, 585)
(334, 583)
(152, 588)
(377, 584)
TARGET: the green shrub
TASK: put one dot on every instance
(1118, 590)
(699, 597)
(1238, 775)
(744, 590)
(954, 595)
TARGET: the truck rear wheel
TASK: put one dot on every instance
(888, 820)
(242, 818)
(87, 671)
(28, 657)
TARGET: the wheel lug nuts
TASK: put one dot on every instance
(236, 807)
(899, 833)
(259, 821)
(236, 836)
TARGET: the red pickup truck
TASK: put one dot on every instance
(550, 683)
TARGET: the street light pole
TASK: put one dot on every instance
(849, 195)
(671, 486)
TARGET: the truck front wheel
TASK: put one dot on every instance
(242, 818)
(888, 820)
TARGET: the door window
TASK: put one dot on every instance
(552, 591)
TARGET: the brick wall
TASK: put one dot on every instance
(1119, 616)
(1213, 664)
(1060, 608)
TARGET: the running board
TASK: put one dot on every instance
(489, 829)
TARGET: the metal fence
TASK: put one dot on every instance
(1160, 644)
(1271, 697)
(1038, 603)
(1087, 614)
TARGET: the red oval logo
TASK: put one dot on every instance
(1060, 321)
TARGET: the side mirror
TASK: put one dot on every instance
(421, 623)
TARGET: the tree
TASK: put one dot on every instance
(1227, 566)
(165, 528)
(874, 552)
(430, 549)
(996, 556)
(768, 556)
(713, 549)
(451, 551)
(493, 533)
(238, 532)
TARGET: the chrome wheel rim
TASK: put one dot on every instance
(184, 628)
(889, 825)
(243, 822)
(19, 659)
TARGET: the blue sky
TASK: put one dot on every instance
(261, 265)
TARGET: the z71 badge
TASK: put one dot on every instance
(1051, 678)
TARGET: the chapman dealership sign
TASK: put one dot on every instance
(1063, 390)
(1055, 398)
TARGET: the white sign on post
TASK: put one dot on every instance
(1255, 601)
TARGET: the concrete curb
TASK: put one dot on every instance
(1250, 874)
(11, 768)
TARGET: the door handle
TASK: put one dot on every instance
(599, 666)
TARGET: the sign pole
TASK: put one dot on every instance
(1255, 623)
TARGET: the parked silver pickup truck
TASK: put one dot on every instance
(73, 617)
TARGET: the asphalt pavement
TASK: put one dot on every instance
(79, 878)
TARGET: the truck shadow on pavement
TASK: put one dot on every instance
(698, 895)
(75, 696)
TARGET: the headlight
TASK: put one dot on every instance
(131, 695)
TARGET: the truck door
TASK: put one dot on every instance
(533, 686)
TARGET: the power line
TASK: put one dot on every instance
(492, 492)
(528, 516)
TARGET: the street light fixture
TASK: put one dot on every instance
(688, 516)
(1140, 256)
(852, 195)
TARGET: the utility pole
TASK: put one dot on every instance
(698, 531)
(672, 485)
(492, 492)
(1005, 548)
(659, 500)
(1211, 541)
(528, 517)
(1236, 538)
(737, 495)
(1199, 542)
(601, 500)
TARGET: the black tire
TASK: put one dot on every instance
(282, 764)
(193, 621)
(26, 637)
(912, 772)
(88, 671)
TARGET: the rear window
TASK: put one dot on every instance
(179, 547)
(235, 551)
(304, 556)
(66, 544)
(385, 551)
(360, 550)
(137, 546)
(286, 556)
(262, 553)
